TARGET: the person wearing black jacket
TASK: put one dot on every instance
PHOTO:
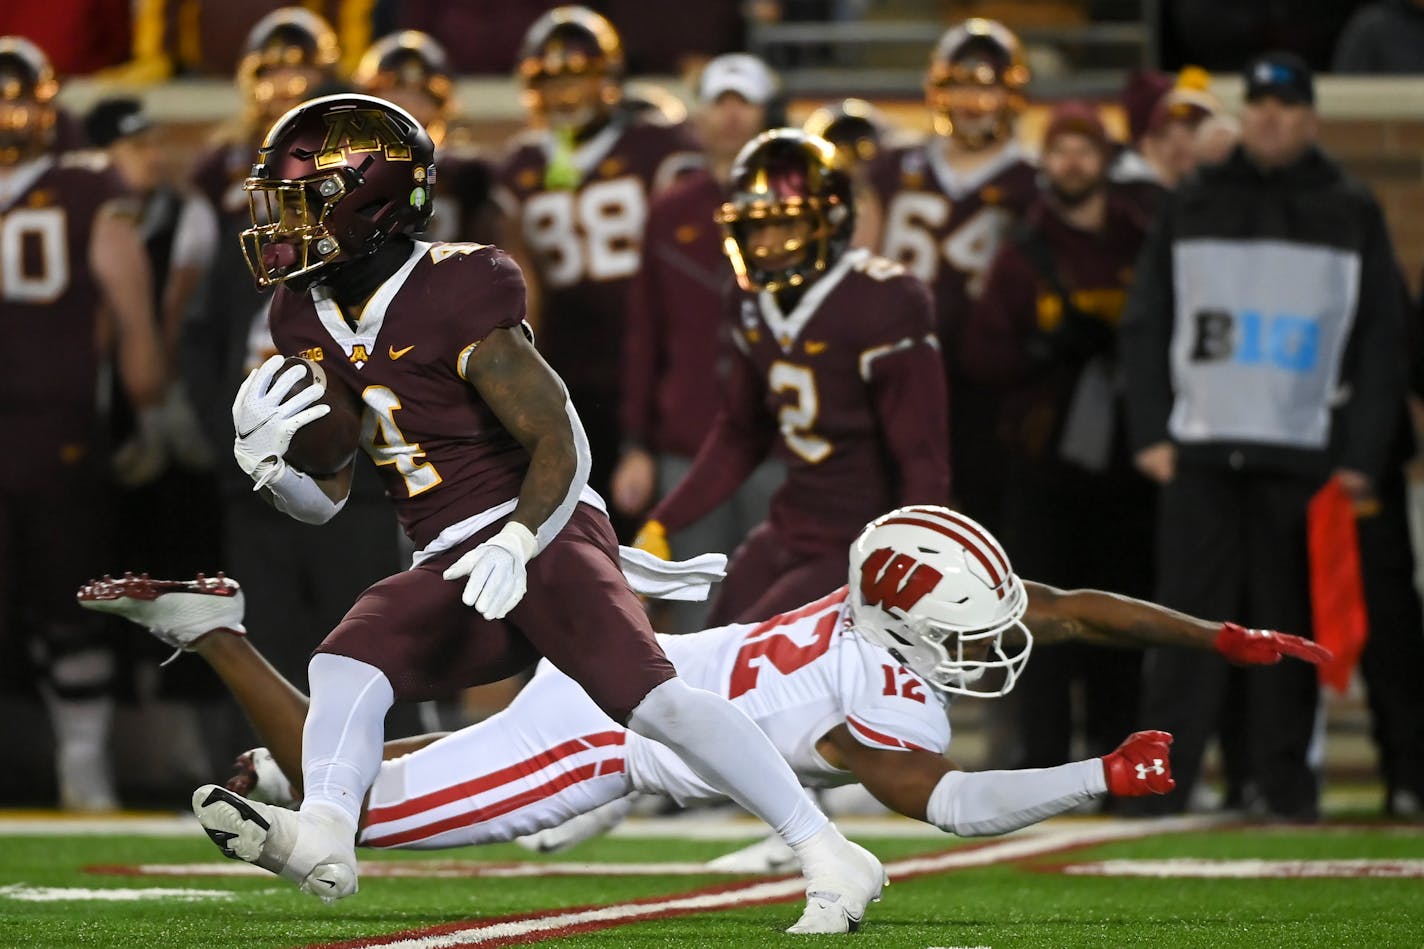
(1263, 345)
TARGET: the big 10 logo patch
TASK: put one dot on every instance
(1250, 338)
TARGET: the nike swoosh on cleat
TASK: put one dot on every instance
(244, 809)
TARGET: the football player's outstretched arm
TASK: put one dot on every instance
(1095, 616)
(931, 788)
(120, 265)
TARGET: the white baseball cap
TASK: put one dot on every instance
(742, 73)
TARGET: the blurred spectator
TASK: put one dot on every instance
(1384, 37)
(1167, 148)
(168, 526)
(574, 192)
(77, 36)
(73, 213)
(410, 69)
(1076, 513)
(1216, 136)
(675, 355)
(942, 206)
(1263, 345)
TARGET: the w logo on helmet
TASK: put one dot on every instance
(888, 579)
(358, 131)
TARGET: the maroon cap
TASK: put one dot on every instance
(1076, 117)
(1140, 95)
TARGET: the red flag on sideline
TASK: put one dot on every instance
(1337, 588)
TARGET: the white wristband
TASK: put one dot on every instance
(300, 497)
(522, 538)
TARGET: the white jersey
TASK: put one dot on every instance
(797, 676)
(553, 754)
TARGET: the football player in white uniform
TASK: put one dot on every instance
(853, 687)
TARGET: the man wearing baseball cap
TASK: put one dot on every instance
(1045, 328)
(1262, 344)
(671, 387)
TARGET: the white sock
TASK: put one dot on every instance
(981, 803)
(344, 734)
(725, 748)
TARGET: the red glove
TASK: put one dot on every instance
(1266, 646)
(1140, 766)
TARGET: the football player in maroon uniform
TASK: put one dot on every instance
(68, 245)
(575, 193)
(410, 69)
(675, 342)
(486, 461)
(837, 370)
(942, 207)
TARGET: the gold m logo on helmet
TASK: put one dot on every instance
(358, 131)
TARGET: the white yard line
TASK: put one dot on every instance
(535, 928)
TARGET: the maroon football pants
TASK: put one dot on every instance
(578, 612)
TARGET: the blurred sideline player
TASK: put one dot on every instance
(1168, 150)
(859, 132)
(574, 191)
(942, 208)
(411, 69)
(70, 249)
(485, 459)
(854, 687)
(835, 369)
(675, 343)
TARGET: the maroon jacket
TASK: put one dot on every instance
(675, 338)
(848, 389)
(440, 451)
(1018, 302)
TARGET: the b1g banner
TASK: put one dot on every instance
(1261, 327)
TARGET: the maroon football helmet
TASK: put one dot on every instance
(286, 57)
(571, 43)
(335, 179)
(854, 126)
(27, 90)
(784, 177)
(410, 69)
(975, 83)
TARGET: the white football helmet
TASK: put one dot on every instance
(936, 589)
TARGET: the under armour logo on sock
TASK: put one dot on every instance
(1155, 768)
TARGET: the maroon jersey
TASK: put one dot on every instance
(675, 336)
(442, 455)
(586, 239)
(218, 175)
(48, 295)
(945, 228)
(848, 388)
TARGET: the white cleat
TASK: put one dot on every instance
(769, 855)
(837, 896)
(177, 612)
(315, 854)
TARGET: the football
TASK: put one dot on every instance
(326, 446)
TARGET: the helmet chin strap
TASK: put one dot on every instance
(352, 281)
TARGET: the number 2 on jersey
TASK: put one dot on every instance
(782, 652)
(384, 442)
(798, 419)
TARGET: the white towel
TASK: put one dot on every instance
(671, 579)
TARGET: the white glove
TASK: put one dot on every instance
(265, 423)
(496, 571)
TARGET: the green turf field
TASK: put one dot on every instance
(47, 899)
